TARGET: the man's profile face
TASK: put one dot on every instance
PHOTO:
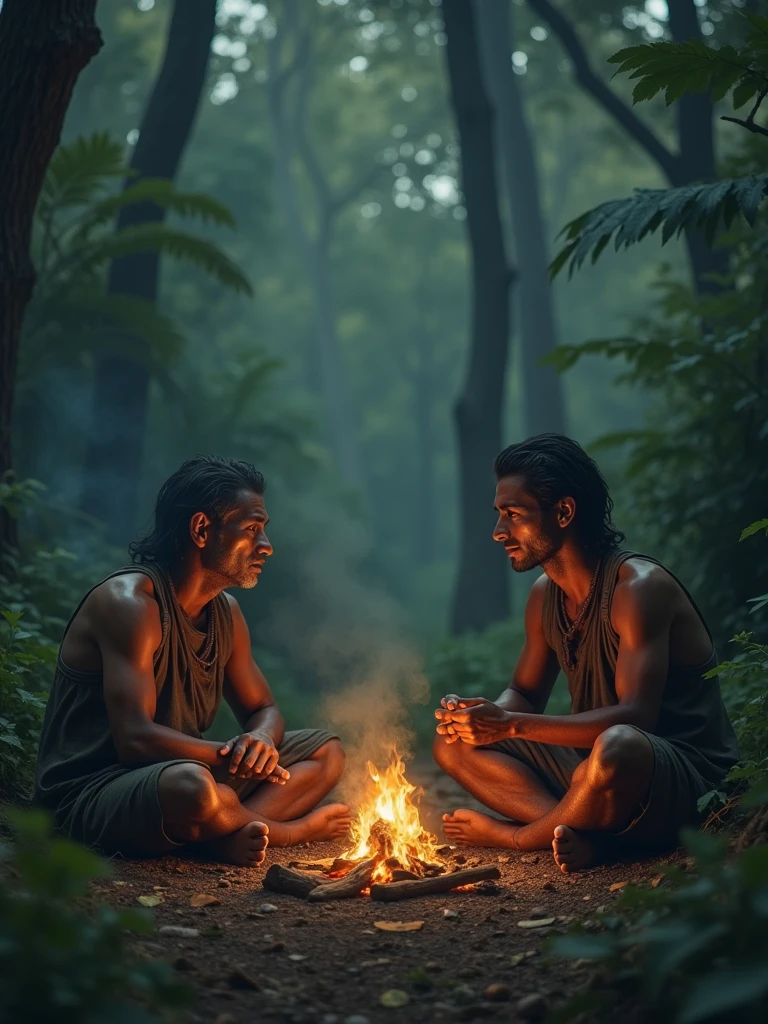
(238, 545)
(530, 534)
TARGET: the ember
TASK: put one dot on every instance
(392, 857)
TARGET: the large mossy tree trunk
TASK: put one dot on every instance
(482, 586)
(542, 393)
(115, 443)
(44, 45)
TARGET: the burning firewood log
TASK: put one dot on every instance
(352, 884)
(390, 891)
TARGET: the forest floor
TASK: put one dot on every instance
(328, 963)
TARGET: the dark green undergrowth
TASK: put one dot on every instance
(63, 958)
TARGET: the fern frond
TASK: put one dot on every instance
(161, 192)
(165, 239)
(673, 210)
(78, 172)
(85, 320)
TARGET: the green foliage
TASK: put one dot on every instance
(699, 467)
(75, 240)
(745, 690)
(22, 659)
(695, 950)
(673, 210)
(62, 959)
(677, 69)
(694, 67)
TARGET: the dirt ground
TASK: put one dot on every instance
(329, 964)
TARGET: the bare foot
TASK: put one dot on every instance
(329, 822)
(573, 851)
(471, 828)
(245, 847)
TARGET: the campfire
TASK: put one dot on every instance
(392, 856)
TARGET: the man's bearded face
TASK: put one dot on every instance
(238, 545)
(530, 534)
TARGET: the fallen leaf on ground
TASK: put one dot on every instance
(150, 901)
(394, 997)
(656, 882)
(177, 931)
(540, 922)
(399, 926)
(202, 899)
(519, 957)
(616, 886)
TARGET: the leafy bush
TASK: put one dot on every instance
(61, 960)
(22, 657)
(695, 952)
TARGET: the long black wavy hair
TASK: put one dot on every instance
(207, 483)
(555, 467)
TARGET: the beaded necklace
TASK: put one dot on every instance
(570, 640)
(206, 656)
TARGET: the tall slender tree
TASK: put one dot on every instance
(121, 384)
(44, 45)
(543, 407)
(289, 85)
(481, 594)
(695, 156)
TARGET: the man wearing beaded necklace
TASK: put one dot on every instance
(648, 734)
(143, 666)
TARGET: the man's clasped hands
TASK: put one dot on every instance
(474, 720)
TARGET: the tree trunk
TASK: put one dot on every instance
(44, 45)
(313, 250)
(423, 400)
(696, 158)
(543, 407)
(482, 587)
(118, 416)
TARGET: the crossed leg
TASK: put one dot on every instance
(606, 791)
(198, 809)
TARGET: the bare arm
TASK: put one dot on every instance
(642, 614)
(537, 668)
(128, 632)
(532, 681)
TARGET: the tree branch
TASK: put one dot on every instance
(601, 91)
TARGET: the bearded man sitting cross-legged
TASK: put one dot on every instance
(145, 661)
(648, 734)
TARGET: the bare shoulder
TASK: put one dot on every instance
(644, 589)
(124, 602)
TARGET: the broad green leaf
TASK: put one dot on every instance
(723, 991)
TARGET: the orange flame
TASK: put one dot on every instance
(390, 801)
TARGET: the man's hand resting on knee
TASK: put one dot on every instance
(254, 756)
(473, 720)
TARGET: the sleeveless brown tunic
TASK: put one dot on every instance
(77, 755)
(692, 716)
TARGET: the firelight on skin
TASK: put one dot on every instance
(648, 734)
(145, 662)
